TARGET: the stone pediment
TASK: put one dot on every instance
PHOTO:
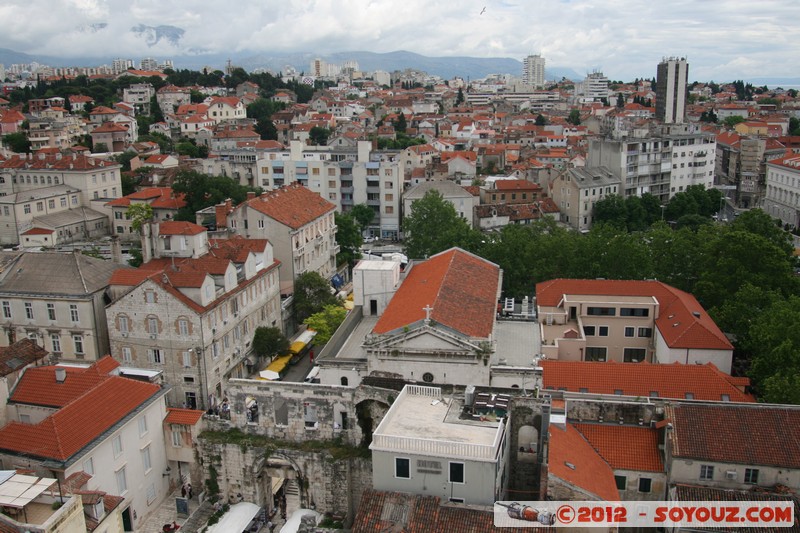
(420, 340)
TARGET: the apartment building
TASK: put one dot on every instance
(163, 200)
(191, 309)
(782, 198)
(533, 70)
(93, 430)
(427, 445)
(742, 163)
(576, 190)
(299, 224)
(672, 90)
(627, 321)
(58, 301)
(662, 164)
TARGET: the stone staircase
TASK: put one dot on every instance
(292, 491)
(198, 519)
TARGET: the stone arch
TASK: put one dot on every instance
(369, 413)
(281, 478)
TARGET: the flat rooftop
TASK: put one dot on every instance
(423, 422)
(518, 342)
(609, 299)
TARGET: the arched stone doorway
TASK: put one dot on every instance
(281, 486)
(370, 412)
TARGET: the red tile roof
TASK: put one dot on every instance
(573, 460)
(461, 288)
(39, 231)
(400, 512)
(676, 322)
(291, 205)
(19, 354)
(625, 447)
(740, 434)
(516, 185)
(82, 420)
(184, 417)
(705, 382)
(38, 386)
(56, 162)
(174, 227)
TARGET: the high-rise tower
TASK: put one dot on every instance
(533, 70)
(672, 90)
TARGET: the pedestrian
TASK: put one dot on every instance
(311, 353)
(270, 525)
(183, 491)
(189, 490)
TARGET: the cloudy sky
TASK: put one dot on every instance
(722, 39)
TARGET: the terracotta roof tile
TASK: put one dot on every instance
(461, 288)
(173, 227)
(292, 205)
(575, 461)
(74, 426)
(677, 324)
(38, 385)
(741, 434)
(674, 381)
(184, 417)
(19, 354)
(625, 447)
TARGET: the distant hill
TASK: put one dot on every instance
(446, 67)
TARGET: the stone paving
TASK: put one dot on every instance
(167, 513)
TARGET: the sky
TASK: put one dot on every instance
(625, 39)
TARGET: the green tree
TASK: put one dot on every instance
(709, 116)
(100, 148)
(794, 126)
(758, 222)
(460, 97)
(348, 237)
(312, 293)
(202, 190)
(129, 183)
(139, 214)
(363, 214)
(326, 322)
(574, 117)
(261, 110)
(541, 120)
(611, 210)
(620, 101)
(17, 142)
(732, 121)
(400, 124)
(124, 159)
(188, 148)
(434, 225)
(319, 136)
(775, 342)
(269, 342)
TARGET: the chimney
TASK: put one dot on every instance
(221, 212)
(61, 374)
(116, 250)
(251, 195)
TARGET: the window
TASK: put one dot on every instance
(602, 331)
(146, 464)
(51, 203)
(126, 354)
(29, 310)
(73, 313)
(149, 297)
(645, 484)
(116, 445)
(122, 482)
(751, 475)
(601, 311)
(634, 311)
(456, 473)
(589, 331)
(706, 472)
(56, 340)
(646, 332)
(595, 353)
(633, 355)
(142, 426)
(123, 324)
(183, 327)
(177, 438)
(622, 482)
(344, 381)
(629, 331)
(26, 209)
(88, 466)
(156, 355)
(187, 359)
(51, 311)
(6, 309)
(427, 377)
(78, 340)
(152, 326)
(402, 468)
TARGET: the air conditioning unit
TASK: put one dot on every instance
(730, 474)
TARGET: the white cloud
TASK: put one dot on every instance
(624, 38)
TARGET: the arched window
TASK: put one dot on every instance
(345, 381)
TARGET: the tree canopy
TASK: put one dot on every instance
(269, 342)
(202, 190)
(312, 293)
(326, 321)
(434, 225)
(348, 237)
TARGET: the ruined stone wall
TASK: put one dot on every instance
(523, 468)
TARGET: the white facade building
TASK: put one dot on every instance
(533, 70)
(782, 200)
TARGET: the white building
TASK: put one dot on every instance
(782, 200)
(533, 70)
(593, 88)
(433, 445)
(90, 423)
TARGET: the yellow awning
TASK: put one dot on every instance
(297, 347)
(279, 363)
